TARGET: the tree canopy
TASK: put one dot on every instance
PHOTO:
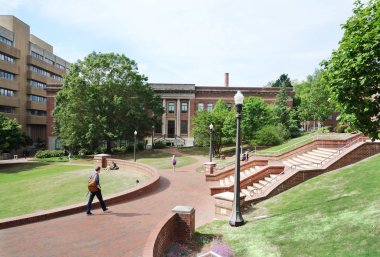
(353, 71)
(11, 136)
(282, 81)
(104, 98)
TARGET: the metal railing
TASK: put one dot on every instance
(293, 168)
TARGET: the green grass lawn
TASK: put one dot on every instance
(335, 214)
(158, 159)
(203, 151)
(30, 187)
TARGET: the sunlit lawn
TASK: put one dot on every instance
(335, 214)
(30, 187)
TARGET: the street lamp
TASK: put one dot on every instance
(134, 148)
(211, 150)
(152, 137)
(236, 218)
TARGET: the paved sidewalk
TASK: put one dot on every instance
(121, 232)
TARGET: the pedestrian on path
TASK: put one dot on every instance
(97, 193)
(174, 162)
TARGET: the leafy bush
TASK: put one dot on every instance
(177, 250)
(294, 132)
(271, 135)
(50, 153)
(159, 145)
(341, 128)
(119, 149)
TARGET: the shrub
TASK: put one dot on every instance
(271, 135)
(50, 153)
(294, 132)
(177, 250)
(222, 249)
(119, 149)
(341, 127)
(159, 145)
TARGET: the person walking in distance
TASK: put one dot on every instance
(95, 190)
(174, 162)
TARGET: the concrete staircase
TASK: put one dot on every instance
(311, 159)
(230, 180)
(255, 188)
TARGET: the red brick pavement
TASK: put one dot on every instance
(121, 232)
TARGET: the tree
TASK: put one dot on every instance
(255, 115)
(11, 136)
(352, 71)
(282, 81)
(104, 98)
(281, 109)
(314, 98)
(216, 117)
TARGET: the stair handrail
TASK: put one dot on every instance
(294, 166)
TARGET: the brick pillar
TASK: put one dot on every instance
(101, 160)
(185, 222)
(210, 167)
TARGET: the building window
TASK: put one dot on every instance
(7, 75)
(6, 92)
(59, 66)
(39, 71)
(183, 126)
(33, 112)
(7, 109)
(209, 107)
(37, 98)
(158, 129)
(330, 117)
(37, 55)
(201, 107)
(37, 84)
(171, 107)
(6, 58)
(229, 106)
(6, 41)
(49, 61)
(184, 107)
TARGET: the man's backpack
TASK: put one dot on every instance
(92, 186)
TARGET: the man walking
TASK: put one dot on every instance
(98, 193)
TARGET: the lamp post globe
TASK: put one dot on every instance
(211, 149)
(134, 147)
(236, 218)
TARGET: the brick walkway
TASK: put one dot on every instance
(121, 232)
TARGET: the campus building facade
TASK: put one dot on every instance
(27, 66)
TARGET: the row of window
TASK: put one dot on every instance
(184, 107)
(37, 98)
(183, 128)
(6, 92)
(47, 60)
(6, 41)
(201, 107)
(45, 73)
(34, 112)
(37, 84)
(7, 109)
(7, 75)
(6, 58)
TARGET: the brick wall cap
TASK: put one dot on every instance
(102, 155)
(183, 209)
(229, 196)
(210, 163)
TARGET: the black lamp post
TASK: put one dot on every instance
(211, 131)
(152, 137)
(134, 147)
(236, 218)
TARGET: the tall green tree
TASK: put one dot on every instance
(202, 122)
(353, 71)
(104, 98)
(315, 98)
(281, 110)
(11, 136)
(282, 81)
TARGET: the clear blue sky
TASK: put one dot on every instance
(195, 41)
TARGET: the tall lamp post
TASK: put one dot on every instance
(211, 150)
(134, 147)
(152, 137)
(236, 218)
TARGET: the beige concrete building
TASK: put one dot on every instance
(27, 65)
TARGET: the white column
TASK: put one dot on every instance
(164, 118)
(178, 118)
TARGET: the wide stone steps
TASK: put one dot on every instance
(310, 159)
(255, 188)
(230, 180)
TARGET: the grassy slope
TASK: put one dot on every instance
(26, 188)
(336, 214)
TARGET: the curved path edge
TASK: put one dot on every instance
(123, 196)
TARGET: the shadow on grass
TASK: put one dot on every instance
(9, 168)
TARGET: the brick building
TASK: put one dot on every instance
(27, 65)
(181, 103)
